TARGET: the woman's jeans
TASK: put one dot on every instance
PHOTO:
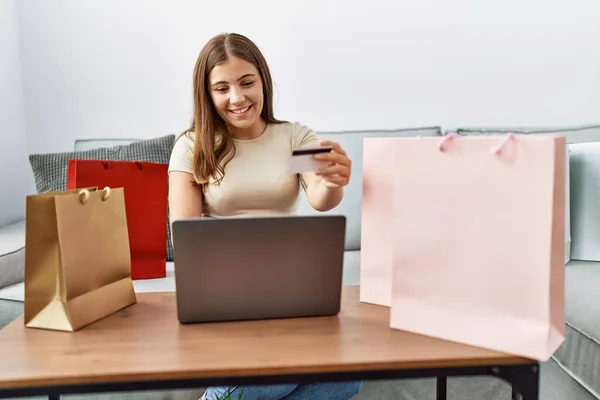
(316, 391)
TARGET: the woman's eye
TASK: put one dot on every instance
(248, 84)
(221, 90)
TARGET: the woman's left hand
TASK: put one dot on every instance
(337, 173)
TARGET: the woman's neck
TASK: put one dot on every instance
(252, 132)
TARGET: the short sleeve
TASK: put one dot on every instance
(182, 155)
(304, 137)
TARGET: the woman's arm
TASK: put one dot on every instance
(320, 196)
(325, 187)
(185, 197)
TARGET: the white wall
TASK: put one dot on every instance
(15, 173)
(122, 68)
(102, 68)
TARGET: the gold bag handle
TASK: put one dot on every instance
(84, 195)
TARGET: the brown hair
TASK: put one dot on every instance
(213, 146)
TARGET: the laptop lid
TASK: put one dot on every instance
(229, 269)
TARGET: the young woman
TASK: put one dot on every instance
(234, 161)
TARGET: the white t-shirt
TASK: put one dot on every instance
(257, 180)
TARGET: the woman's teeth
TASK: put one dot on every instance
(240, 111)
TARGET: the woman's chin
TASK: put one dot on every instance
(242, 124)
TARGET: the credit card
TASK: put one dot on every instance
(302, 159)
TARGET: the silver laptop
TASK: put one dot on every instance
(258, 268)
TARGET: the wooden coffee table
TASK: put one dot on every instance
(144, 348)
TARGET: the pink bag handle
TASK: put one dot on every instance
(447, 138)
(495, 150)
(501, 146)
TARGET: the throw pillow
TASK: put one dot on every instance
(50, 170)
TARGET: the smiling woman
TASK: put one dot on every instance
(234, 160)
(235, 153)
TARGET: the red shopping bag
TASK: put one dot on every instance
(145, 185)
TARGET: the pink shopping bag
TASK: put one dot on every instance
(376, 230)
(477, 240)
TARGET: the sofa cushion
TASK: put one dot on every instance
(9, 310)
(579, 354)
(16, 292)
(351, 205)
(12, 253)
(351, 274)
(50, 170)
(585, 201)
(91, 144)
(577, 134)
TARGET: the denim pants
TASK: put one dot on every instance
(312, 391)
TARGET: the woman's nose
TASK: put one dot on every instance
(236, 97)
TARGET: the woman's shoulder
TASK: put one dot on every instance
(300, 135)
(184, 143)
(185, 139)
(182, 153)
(291, 128)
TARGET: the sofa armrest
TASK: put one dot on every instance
(12, 254)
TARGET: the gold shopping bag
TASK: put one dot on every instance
(77, 258)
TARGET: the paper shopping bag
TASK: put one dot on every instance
(376, 230)
(77, 264)
(478, 241)
(146, 186)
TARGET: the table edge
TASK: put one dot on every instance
(264, 373)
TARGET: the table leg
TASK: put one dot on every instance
(525, 380)
(441, 391)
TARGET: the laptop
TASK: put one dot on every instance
(251, 268)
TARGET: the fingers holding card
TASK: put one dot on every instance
(302, 160)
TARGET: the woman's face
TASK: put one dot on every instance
(237, 93)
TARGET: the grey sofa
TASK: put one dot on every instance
(573, 372)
